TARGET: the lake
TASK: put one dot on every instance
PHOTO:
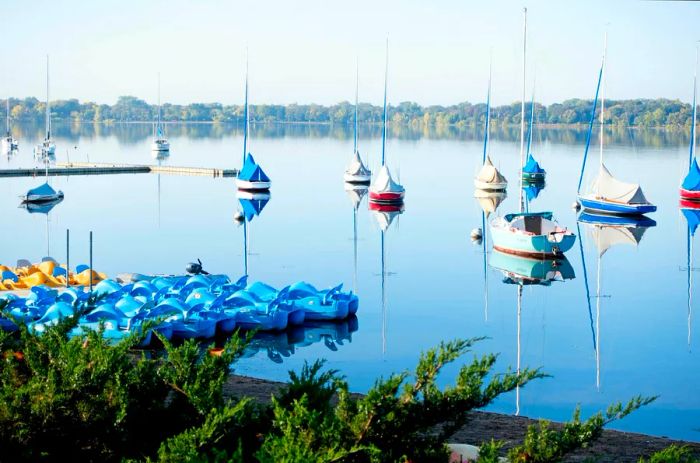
(626, 329)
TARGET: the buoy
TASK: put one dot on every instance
(576, 206)
(476, 234)
(238, 216)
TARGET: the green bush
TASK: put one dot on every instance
(83, 399)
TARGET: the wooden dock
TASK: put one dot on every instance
(84, 168)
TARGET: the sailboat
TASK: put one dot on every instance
(608, 195)
(9, 144)
(47, 148)
(356, 172)
(251, 177)
(532, 172)
(533, 234)
(607, 232)
(160, 145)
(43, 194)
(385, 214)
(488, 178)
(690, 188)
(384, 189)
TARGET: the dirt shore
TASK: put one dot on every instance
(613, 446)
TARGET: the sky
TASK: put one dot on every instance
(305, 51)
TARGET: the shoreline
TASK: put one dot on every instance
(612, 446)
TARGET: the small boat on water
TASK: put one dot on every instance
(160, 145)
(690, 188)
(489, 178)
(251, 177)
(384, 189)
(43, 194)
(47, 148)
(356, 172)
(532, 234)
(9, 144)
(608, 195)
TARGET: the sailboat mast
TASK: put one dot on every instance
(690, 282)
(354, 248)
(159, 123)
(488, 117)
(590, 126)
(245, 247)
(357, 89)
(386, 72)
(602, 100)
(522, 111)
(532, 119)
(695, 111)
(245, 111)
(48, 105)
(383, 297)
(8, 115)
(597, 328)
(517, 388)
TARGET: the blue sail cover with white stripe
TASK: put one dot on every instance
(251, 171)
(42, 190)
(252, 207)
(692, 180)
(532, 166)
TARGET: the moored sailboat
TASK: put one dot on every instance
(488, 178)
(534, 234)
(608, 195)
(356, 172)
(384, 189)
(532, 171)
(160, 145)
(690, 188)
(47, 148)
(9, 144)
(251, 176)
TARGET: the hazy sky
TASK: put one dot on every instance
(304, 51)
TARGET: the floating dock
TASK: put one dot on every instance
(84, 168)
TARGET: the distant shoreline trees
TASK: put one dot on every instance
(658, 112)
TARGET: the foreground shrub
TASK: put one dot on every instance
(82, 399)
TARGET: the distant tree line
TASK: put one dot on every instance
(622, 113)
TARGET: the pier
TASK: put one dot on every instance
(84, 168)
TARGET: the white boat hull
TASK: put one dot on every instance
(357, 178)
(160, 146)
(495, 186)
(252, 185)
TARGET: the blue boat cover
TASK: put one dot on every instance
(44, 190)
(545, 215)
(692, 180)
(532, 166)
(251, 171)
(252, 207)
(693, 218)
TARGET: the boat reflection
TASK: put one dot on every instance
(385, 214)
(252, 204)
(606, 232)
(691, 212)
(356, 193)
(284, 344)
(524, 271)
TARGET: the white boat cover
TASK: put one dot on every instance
(384, 183)
(489, 173)
(605, 186)
(606, 237)
(356, 167)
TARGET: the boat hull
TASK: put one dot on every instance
(160, 147)
(248, 185)
(386, 196)
(534, 177)
(691, 195)
(357, 178)
(537, 246)
(607, 207)
(486, 186)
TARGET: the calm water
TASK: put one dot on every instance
(435, 287)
